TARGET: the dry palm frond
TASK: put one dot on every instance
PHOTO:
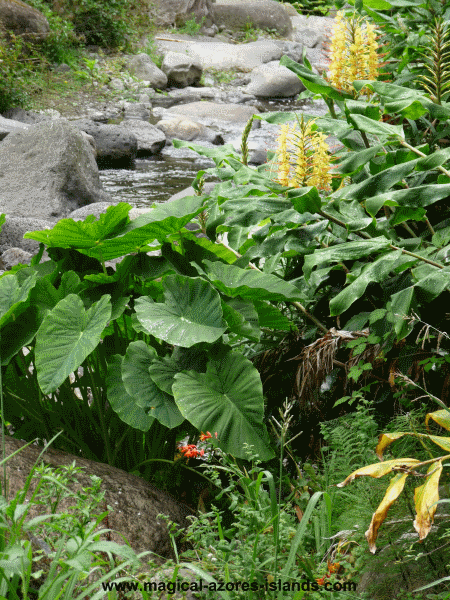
(437, 63)
(318, 360)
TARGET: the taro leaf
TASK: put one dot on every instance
(242, 318)
(227, 399)
(68, 335)
(163, 370)
(376, 271)
(249, 284)
(190, 314)
(121, 402)
(426, 498)
(68, 233)
(14, 335)
(392, 493)
(12, 295)
(342, 252)
(138, 384)
(441, 417)
(313, 82)
(270, 316)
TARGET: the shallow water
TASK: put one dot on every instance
(157, 178)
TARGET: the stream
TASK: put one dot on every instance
(157, 178)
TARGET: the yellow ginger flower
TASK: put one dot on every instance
(353, 52)
(303, 156)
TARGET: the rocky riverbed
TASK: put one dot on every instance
(207, 88)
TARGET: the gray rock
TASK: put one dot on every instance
(137, 110)
(47, 171)
(14, 228)
(62, 68)
(150, 140)
(185, 129)
(15, 256)
(262, 14)
(213, 112)
(258, 157)
(274, 81)
(22, 20)
(177, 12)
(142, 67)
(308, 37)
(224, 56)
(8, 126)
(181, 70)
(116, 84)
(115, 146)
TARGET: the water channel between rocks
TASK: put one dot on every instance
(157, 178)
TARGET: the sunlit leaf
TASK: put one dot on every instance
(379, 469)
(426, 497)
(385, 440)
(392, 493)
(441, 417)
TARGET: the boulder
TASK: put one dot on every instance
(21, 19)
(47, 171)
(308, 37)
(30, 117)
(185, 129)
(177, 12)
(150, 140)
(142, 67)
(14, 256)
(14, 228)
(213, 111)
(274, 81)
(223, 56)
(262, 14)
(9, 126)
(136, 503)
(181, 70)
(116, 147)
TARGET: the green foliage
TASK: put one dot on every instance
(13, 72)
(102, 24)
(190, 27)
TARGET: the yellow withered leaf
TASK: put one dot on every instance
(379, 469)
(392, 493)
(441, 417)
(425, 499)
(385, 439)
(442, 442)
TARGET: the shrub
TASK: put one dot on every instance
(102, 23)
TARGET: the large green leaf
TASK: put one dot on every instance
(227, 399)
(138, 384)
(249, 284)
(270, 316)
(356, 159)
(68, 233)
(12, 294)
(191, 313)
(157, 224)
(342, 252)
(242, 318)
(121, 402)
(314, 83)
(420, 196)
(379, 183)
(305, 199)
(68, 335)
(373, 272)
(163, 370)
(363, 123)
